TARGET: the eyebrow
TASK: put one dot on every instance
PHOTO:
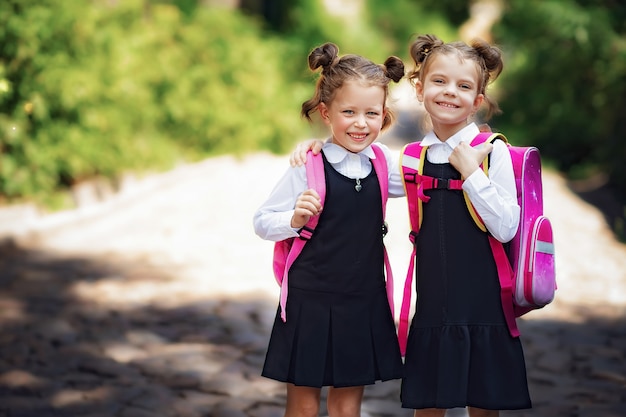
(443, 75)
(357, 106)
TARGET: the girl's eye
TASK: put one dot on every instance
(466, 86)
(348, 112)
(438, 81)
(372, 113)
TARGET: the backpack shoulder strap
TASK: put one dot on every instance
(503, 265)
(382, 172)
(317, 181)
(411, 168)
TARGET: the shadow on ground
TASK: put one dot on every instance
(62, 356)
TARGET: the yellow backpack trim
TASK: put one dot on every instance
(485, 167)
(420, 169)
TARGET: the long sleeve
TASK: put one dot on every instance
(272, 221)
(495, 197)
(396, 185)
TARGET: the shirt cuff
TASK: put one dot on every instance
(285, 225)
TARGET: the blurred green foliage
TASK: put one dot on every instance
(100, 88)
(399, 22)
(564, 88)
(564, 91)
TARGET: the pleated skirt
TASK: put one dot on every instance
(334, 339)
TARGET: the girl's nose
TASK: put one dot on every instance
(360, 121)
(450, 90)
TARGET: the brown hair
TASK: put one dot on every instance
(337, 70)
(488, 58)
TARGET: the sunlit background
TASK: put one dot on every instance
(137, 137)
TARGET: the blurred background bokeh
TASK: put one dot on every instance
(137, 137)
(96, 89)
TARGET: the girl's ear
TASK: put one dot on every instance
(478, 101)
(323, 109)
(386, 119)
(419, 90)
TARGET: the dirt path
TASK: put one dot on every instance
(181, 243)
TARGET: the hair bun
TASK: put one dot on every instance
(394, 68)
(323, 56)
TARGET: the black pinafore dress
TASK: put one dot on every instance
(339, 330)
(459, 349)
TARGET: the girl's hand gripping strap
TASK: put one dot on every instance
(382, 172)
(411, 166)
(316, 180)
(479, 140)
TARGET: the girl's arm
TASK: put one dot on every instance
(495, 198)
(288, 207)
(396, 186)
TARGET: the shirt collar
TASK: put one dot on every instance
(335, 153)
(467, 134)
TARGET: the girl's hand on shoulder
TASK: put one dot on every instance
(484, 127)
(308, 204)
(298, 157)
(466, 159)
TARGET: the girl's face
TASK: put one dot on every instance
(449, 91)
(355, 115)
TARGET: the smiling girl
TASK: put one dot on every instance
(460, 352)
(339, 330)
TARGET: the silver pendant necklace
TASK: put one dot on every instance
(358, 186)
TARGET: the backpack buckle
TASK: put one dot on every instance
(410, 177)
(447, 184)
(441, 184)
(305, 233)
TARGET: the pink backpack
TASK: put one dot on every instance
(286, 251)
(526, 267)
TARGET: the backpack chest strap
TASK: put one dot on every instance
(425, 182)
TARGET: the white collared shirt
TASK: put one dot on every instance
(494, 198)
(272, 221)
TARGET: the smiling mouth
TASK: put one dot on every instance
(447, 105)
(357, 136)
